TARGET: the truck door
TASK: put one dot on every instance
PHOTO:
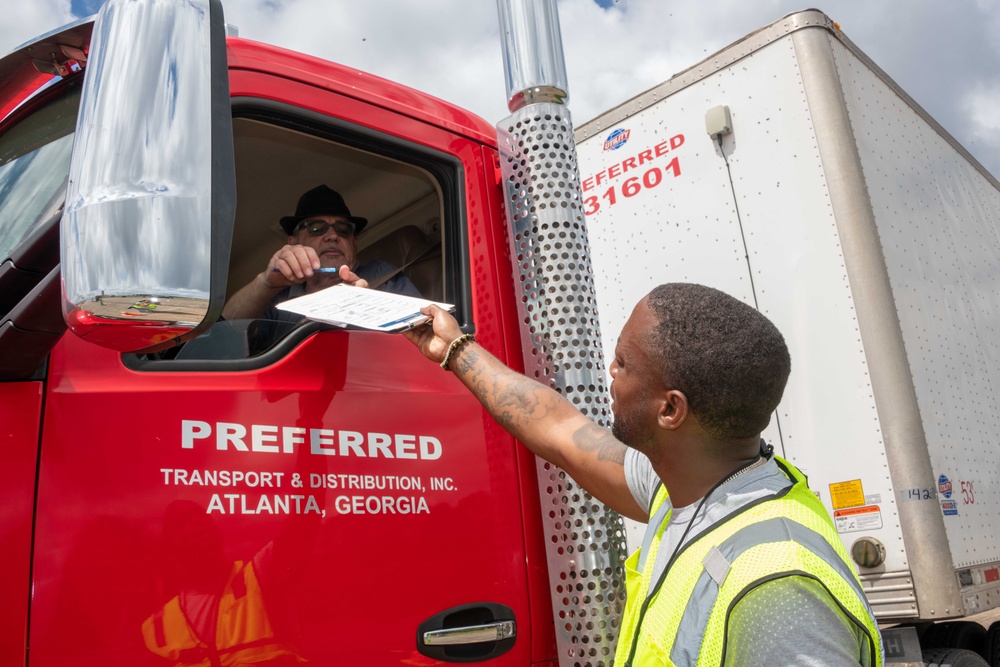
(321, 499)
(34, 157)
(20, 407)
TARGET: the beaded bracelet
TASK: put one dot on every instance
(455, 346)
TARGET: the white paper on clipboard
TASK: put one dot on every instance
(348, 306)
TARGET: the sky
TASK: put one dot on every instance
(944, 53)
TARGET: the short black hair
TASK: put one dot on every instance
(728, 359)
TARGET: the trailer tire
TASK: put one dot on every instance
(964, 635)
(993, 645)
(953, 657)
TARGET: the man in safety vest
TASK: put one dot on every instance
(740, 564)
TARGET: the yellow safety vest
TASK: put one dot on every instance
(684, 621)
(243, 633)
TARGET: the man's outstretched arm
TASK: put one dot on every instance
(536, 415)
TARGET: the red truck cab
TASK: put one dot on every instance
(331, 499)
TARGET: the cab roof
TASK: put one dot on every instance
(32, 66)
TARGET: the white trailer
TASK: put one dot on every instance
(789, 171)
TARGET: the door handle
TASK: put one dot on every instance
(468, 633)
(473, 634)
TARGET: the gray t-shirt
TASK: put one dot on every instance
(788, 621)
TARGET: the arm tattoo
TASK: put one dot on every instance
(593, 438)
(512, 400)
(516, 401)
(468, 361)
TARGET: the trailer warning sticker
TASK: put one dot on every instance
(847, 494)
(949, 507)
(858, 518)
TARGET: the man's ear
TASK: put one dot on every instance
(673, 411)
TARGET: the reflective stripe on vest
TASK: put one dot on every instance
(684, 620)
(788, 547)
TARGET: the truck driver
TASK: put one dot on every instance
(321, 252)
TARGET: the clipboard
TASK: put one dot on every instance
(348, 306)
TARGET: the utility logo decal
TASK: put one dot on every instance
(944, 486)
(616, 139)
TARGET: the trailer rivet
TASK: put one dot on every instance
(868, 552)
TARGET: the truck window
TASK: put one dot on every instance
(34, 165)
(403, 192)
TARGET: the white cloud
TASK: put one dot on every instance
(980, 106)
(941, 53)
(22, 21)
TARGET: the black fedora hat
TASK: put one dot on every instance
(321, 200)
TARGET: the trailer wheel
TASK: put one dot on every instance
(993, 645)
(953, 657)
(964, 635)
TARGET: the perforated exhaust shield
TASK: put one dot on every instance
(561, 339)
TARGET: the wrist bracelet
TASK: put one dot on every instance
(455, 346)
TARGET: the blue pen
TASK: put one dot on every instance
(322, 269)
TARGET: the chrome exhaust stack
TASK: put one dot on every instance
(560, 328)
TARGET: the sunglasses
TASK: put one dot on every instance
(319, 227)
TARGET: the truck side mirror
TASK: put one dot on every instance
(147, 227)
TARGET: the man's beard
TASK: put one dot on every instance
(625, 428)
